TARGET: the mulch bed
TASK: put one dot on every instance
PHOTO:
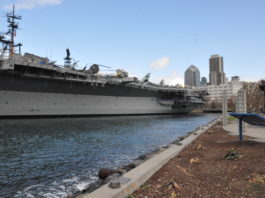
(205, 168)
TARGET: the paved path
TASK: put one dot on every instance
(256, 132)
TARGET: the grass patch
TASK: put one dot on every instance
(231, 118)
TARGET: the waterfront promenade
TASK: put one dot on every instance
(210, 163)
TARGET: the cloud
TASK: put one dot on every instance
(29, 4)
(160, 64)
(173, 79)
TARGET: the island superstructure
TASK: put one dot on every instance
(31, 85)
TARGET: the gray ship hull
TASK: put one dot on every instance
(30, 96)
(19, 104)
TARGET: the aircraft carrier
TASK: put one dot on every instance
(33, 86)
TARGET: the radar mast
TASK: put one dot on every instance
(8, 38)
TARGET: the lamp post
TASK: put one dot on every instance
(224, 108)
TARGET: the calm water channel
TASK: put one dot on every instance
(55, 157)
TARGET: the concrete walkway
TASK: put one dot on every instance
(256, 132)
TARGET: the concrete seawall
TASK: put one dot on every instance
(139, 175)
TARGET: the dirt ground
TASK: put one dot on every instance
(205, 168)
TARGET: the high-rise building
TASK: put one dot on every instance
(203, 81)
(192, 76)
(217, 75)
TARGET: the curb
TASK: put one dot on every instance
(143, 172)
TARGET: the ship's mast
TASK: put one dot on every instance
(9, 44)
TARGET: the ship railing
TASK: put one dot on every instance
(19, 60)
(156, 87)
(91, 81)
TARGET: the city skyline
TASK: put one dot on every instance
(149, 36)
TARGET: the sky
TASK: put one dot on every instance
(163, 37)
